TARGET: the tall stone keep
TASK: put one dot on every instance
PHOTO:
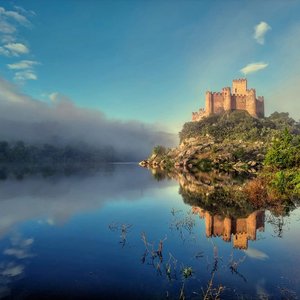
(237, 98)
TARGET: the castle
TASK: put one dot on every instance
(239, 230)
(240, 98)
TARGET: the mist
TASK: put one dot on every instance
(61, 123)
(58, 198)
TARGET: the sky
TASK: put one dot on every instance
(150, 61)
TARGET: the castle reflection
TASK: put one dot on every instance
(237, 230)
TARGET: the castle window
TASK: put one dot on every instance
(235, 90)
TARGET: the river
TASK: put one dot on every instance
(117, 232)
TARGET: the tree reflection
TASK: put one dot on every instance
(226, 203)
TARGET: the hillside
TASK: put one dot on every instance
(265, 152)
(232, 141)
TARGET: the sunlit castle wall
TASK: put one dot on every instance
(239, 86)
(240, 98)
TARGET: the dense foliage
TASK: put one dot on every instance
(240, 125)
(282, 163)
(284, 152)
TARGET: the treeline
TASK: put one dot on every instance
(20, 152)
(240, 125)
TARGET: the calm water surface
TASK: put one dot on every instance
(119, 233)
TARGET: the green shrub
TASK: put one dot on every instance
(287, 183)
(284, 153)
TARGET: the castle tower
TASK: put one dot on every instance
(208, 103)
(239, 86)
(227, 98)
(251, 103)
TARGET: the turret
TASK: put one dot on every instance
(227, 98)
(208, 103)
(239, 86)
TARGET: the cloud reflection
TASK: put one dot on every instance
(256, 254)
(55, 199)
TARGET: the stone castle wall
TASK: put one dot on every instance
(217, 103)
(239, 102)
(239, 99)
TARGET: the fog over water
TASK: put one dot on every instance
(56, 199)
(62, 122)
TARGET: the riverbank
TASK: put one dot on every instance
(266, 151)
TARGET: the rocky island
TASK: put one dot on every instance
(237, 142)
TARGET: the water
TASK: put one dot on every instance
(96, 234)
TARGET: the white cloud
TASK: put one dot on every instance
(4, 51)
(17, 48)
(23, 64)
(253, 67)
(10, 93)
(15, 16)
(5, 39)
(10, 20)
(24, 11)
(25, 75)
(260, 31)
(6, 27)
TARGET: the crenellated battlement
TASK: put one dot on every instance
(237, 98)
(196, 116)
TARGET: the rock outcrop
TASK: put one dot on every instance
(205, 153)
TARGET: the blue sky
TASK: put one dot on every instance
(150, 61)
